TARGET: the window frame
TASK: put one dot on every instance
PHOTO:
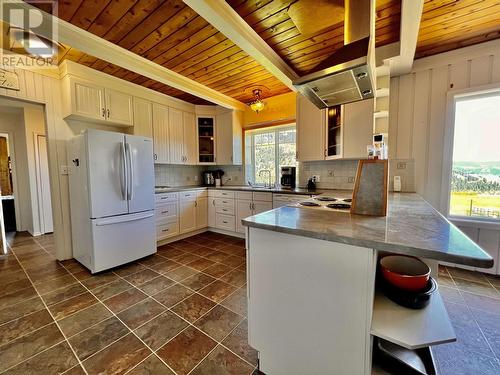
(452, 97)
(270, 129)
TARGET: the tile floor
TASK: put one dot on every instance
(180, 311)
(177, 312)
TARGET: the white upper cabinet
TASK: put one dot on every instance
(322, 136)
(119, 107)
(87, 101)
(190, 154)
(358, 129)
(310, 131)
(176, 136)
(229, 138)
(143, 117)
(160, 134)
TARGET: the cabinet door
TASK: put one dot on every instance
(310, 131)
(176, 136)
(201, 213)
(189, 138)
(224, 141)
(160, 134)
(143, 118)
(88, 101)
(211, 212)
(358, 128)
(243, 210)
(259, 207)
(119, 107)
(187, 217)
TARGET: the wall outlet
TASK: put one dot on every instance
(330, 173)
(63, 169)
(350, 180)
(401, 165)
(196, 178)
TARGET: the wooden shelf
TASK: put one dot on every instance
(412, 329)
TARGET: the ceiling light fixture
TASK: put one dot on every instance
(257, 104)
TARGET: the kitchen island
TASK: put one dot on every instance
(313, 307)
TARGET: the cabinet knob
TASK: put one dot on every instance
(155, 156)
(164, 230)
(104, 112)
(164, 212)
(108, 112)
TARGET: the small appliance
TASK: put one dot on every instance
(208, 179)
(288, 176)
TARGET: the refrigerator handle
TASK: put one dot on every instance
(130, 185)
(124, 174)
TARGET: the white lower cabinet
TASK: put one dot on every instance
(166, 216)
(259, 207)
(187, 216)
(201, 213)
(243, 210)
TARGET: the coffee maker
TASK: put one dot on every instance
(208, 179)
(288, 175)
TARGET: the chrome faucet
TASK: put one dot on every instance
(261, 172)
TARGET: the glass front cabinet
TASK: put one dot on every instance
(206, 139)
(334, 122)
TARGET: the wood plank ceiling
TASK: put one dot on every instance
(452, 24)
(174, 36)
(171, 34)
(271, 20)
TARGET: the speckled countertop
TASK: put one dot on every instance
(159, 190)
(412, 226)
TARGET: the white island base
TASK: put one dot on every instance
(310, 306)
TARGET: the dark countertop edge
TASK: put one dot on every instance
(371, 244)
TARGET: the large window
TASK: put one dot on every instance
(266, 151)
(475, 180)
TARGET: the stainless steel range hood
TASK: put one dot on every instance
(345, 76)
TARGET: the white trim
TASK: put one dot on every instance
(457, 55)
(225, 19)
(100, 48)
(411, 12)
(448, 139)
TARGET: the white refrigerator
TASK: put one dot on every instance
(111, 184)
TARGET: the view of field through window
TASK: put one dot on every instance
(475, 180)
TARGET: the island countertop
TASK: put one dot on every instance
(412, 226)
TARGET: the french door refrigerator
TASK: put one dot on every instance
(111, 183)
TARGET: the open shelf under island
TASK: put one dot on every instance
(313, 307)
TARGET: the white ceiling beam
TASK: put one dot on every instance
(411, 13)
(225, 19)
(100, 48)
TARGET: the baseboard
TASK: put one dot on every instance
(194, 233)
(227, 232)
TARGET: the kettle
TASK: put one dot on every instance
(311, 184)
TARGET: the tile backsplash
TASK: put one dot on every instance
(333, 174)
(178, 175)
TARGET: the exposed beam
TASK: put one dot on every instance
(100, 48)
(225, 19)
(411, 13)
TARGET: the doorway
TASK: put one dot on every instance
(24, 168)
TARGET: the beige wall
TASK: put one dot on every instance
(278, 108)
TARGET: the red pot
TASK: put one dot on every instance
(405, 272)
